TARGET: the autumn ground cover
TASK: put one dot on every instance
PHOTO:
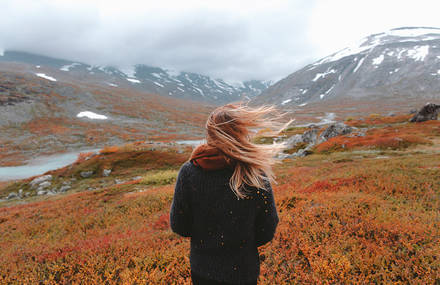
(347, 216)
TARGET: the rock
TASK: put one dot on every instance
(40, 180)
(50, 193)
(86, 174)
(136, 178)
(65, 188)
(413, 111)
(106, 172)
(20, 193)
(391, 114)
(428, 112)
(12, 195)
(310, 136)
(180, 150)
(66, 182)
(41, 192)
(334, 130)
(45, 184)
(26, 194)
(119, 181)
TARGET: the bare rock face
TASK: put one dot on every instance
(428, 112)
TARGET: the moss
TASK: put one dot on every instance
(160, 178)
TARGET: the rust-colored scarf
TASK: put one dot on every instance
(210, 158)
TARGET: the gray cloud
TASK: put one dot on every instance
(235, 40)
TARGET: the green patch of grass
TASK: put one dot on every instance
(160, 178)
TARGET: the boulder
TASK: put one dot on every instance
(41, 192)
(40, 180)
(64, 188)
(45, 184)
(334, 130)
(428, 112)
(12, 195)
(106, 172)
(86, 174)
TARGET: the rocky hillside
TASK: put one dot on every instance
(140, 77)
(395, 66)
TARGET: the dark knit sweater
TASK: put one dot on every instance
(225, 231)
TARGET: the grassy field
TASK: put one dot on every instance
(368, 213)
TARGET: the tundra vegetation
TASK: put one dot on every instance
(357, 209)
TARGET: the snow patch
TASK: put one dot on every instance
(158, 84)
(180, 89)
(37, 66)
(358, 65)
(91, 115)
(418, 53)
(303, 104)
(42, 75)
(319, 75)
(286, 101)
(156, 75)
(378, 60)
(112, 84)
(133, 80)
(68, 67)
(438, 72)
(2, 52)
(304, 91)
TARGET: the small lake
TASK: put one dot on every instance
(40, 165)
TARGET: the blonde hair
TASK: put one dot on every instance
(228, 129)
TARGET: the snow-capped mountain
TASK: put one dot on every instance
(155, 80)
(402, 62)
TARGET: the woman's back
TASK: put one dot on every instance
(225, 231)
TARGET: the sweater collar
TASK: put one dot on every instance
(210, 158)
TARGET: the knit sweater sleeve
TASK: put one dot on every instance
(180, 213)
(267, 216)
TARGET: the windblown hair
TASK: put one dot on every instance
(229, 129)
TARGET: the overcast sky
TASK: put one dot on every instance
(234, 40)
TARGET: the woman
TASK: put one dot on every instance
(223, 198)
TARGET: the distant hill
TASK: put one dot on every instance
(156, 80)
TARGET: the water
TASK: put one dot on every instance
(40, 165)
(191, 142)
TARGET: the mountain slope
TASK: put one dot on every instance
(396, 65)
(141, 77)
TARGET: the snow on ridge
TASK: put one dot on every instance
(172, 72)
(69, 66)
(319, 75)
(378, 60)
(156, 75)
(133, 80)
(286, 101)
(412, 32)
(91, 115)
(418, 53)
(129, 71)
(42, 75)
(358, 65)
